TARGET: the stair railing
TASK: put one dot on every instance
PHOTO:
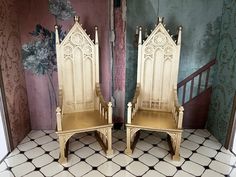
(189, 89)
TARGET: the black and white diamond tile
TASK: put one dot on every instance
(201, 155)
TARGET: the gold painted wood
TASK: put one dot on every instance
(155, 104)
(82, 107)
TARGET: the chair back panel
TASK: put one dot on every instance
(159, 70)
(76, 67)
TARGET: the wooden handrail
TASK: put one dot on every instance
(196, 73)
(206, 68)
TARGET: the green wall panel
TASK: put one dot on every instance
(224, 85)
(200, 19)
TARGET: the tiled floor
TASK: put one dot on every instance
(201, 155)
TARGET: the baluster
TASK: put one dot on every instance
(184, 90)
(199, 83)
(191, 89)
(207, 78)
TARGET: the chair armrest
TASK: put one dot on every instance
(179, 110)
(132, 106)
(104, 108)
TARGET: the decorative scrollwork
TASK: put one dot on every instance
(103, 131)
(133, 131)
(77, 38)
(159, 39)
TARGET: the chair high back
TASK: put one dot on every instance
(78, 62)
(158, 65)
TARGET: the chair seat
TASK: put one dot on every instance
(154, 120)
(82, 120)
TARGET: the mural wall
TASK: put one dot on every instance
(201, 26)
(224, 85)
(12, 71)
(40, 65)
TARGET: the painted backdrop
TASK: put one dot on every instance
(12, 72)
(224, 85)
(200, 19)
(42, 85)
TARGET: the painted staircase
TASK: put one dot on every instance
(195, 95)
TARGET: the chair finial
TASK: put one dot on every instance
(76, 18)
(160, 19)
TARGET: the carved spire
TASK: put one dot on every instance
(96, 35)
(57, 35)
(179, 35)
(160, 19)
(140, 36)
(76, 18)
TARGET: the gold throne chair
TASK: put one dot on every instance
(82, 107)
(155, 104)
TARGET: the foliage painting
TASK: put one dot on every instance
(39, 55)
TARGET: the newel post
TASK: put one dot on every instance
(109, 112)
(129, 113)
(97, 54)
(181, 114)
(139, 54)
(58, 111)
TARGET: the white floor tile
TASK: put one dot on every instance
(88, 139)
(27, 146)
(95, 160)
(137, 168)
(95, 146)
(34, 174)
(33, 153)
(52, 169)
(182, 173)
(122, 160)
(185, 153)
(136, 153)
(226, 158)
(152, 139)
(80, 169)
(94, 173)
(15, 160)
(153, 173)
(50, 146)
(55, 153)
(42, 160)
(43, 140)
(210, 173)
(109, 168)
(123, 173)
(158, 152)
(75, 146)
(212, 144)
(36, 134)
(72, 159)
(3, 166)
(164, 145)
(144, 146)
(220, 167)
(64, 174)
(196, 139)
(168, 159)
(148, 159)
(165, 168)
(14, 152)
(233, 173)
(119, 145)
(207, 151)
(200, 159)
(6, 174)
(189, 145)
(202, 132)
(193, 168)
(23, 169)
(84, 152)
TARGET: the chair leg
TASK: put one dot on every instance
(176, 149)
(128, 150)
(62, 143)
(109, 142)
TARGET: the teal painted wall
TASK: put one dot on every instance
(224, 85)
(200, 19)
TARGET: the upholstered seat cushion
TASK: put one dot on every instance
(154, 120)
(82, 120)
